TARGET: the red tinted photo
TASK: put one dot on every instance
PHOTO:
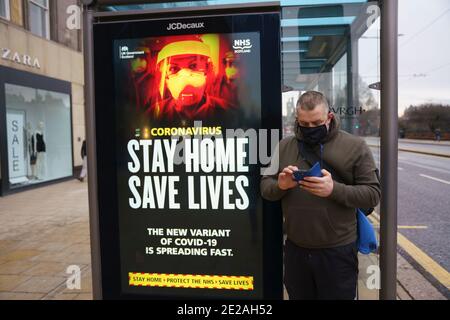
(189, 77)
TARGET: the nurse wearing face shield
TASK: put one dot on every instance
(186, 77)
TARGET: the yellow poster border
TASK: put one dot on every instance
(143, 279)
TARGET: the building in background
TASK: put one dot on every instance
(41, 94)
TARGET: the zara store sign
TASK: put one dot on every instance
(20, 58)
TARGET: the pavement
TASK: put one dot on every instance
(44, 231)
(416, 271)
(428, 147)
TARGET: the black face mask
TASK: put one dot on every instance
(314, 135)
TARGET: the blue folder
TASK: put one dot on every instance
(367, 239)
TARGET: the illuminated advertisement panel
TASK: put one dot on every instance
(185, 102)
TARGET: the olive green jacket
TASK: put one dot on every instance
(316, 222)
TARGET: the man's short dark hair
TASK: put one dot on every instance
(311, 99)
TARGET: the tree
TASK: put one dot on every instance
(369, 120)
(422, 121)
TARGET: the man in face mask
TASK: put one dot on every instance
(314, 123)
(319, 212)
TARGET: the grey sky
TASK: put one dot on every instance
(425, 49)
(424, 53)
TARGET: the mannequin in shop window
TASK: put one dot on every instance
(83, 173)
(40, 151)
(31, 154)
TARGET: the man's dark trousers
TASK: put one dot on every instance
(324, 274)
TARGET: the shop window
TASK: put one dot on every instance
(38, 127)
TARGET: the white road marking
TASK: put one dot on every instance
(426, 167)
(399, 168)
(412, 227)
(433, 178)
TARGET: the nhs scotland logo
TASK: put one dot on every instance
(242, 46)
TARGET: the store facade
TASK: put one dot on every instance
(41, 109)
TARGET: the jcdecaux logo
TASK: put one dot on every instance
(180, 26)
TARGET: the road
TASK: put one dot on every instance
(424, 201)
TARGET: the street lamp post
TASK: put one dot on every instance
(389, 149)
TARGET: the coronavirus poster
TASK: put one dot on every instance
(188, 194)
(185, 108)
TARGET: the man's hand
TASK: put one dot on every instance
(321, 187)
(285, 180)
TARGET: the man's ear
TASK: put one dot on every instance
(330, 115)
